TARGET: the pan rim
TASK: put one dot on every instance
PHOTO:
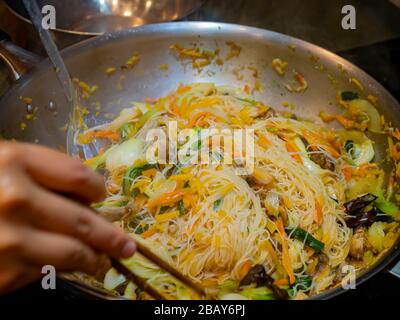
(167, 28)
(96, 34)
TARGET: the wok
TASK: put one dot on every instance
(81, 19)
(325, 72)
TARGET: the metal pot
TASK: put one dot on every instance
(325, 72)
(82, 19)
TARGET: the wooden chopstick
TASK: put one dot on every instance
(170, 269)
(144, 284)
(141, 283)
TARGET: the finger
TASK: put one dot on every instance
(56, 170)
(62, 252)
(58, 214)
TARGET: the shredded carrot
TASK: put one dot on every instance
(193, 122)
(245, 269)
(291, 147)
(318, 212)
(348, 124)
(287, 264)
(174, 107)
(327, 117)
(347, 172)
(106, 134)
(150, 173)
(166, 199)
(191, 199)
(140, 200)
(183, 89)
(315, 140)
(209, 282)
(148, 233)
(184, 106)
(263, 140)
(362, 170)
(281, 282)
(273, 255)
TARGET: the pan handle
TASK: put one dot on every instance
(18, 60)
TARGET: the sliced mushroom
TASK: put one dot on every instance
(357, 245)
(322, 161)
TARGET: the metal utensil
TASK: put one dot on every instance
(52, 51)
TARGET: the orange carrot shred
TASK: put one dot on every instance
(106, 134)
(148, 233)
(245, 269)
(166, 199)
(287, 264)
(290, 147)
(281, 282)
(318, 212)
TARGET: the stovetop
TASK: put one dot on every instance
(374, 46)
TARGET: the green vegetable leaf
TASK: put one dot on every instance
(307, 238)
(181, 208)
(249, 101)
(218, 204)
(260, 293)
(132, 174)
(349, 95)
(303, 282)
(386, 207)
(126, 131)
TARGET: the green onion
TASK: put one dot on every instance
(349, 95)
(218, 204)
(303, 283)
(181, 208)
(349, 145)
(307, 238)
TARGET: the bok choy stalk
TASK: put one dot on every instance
(359, 153)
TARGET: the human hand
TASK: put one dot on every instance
(45, 218)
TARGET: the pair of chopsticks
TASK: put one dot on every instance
(143, 283)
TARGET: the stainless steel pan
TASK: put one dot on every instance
(325, 72)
